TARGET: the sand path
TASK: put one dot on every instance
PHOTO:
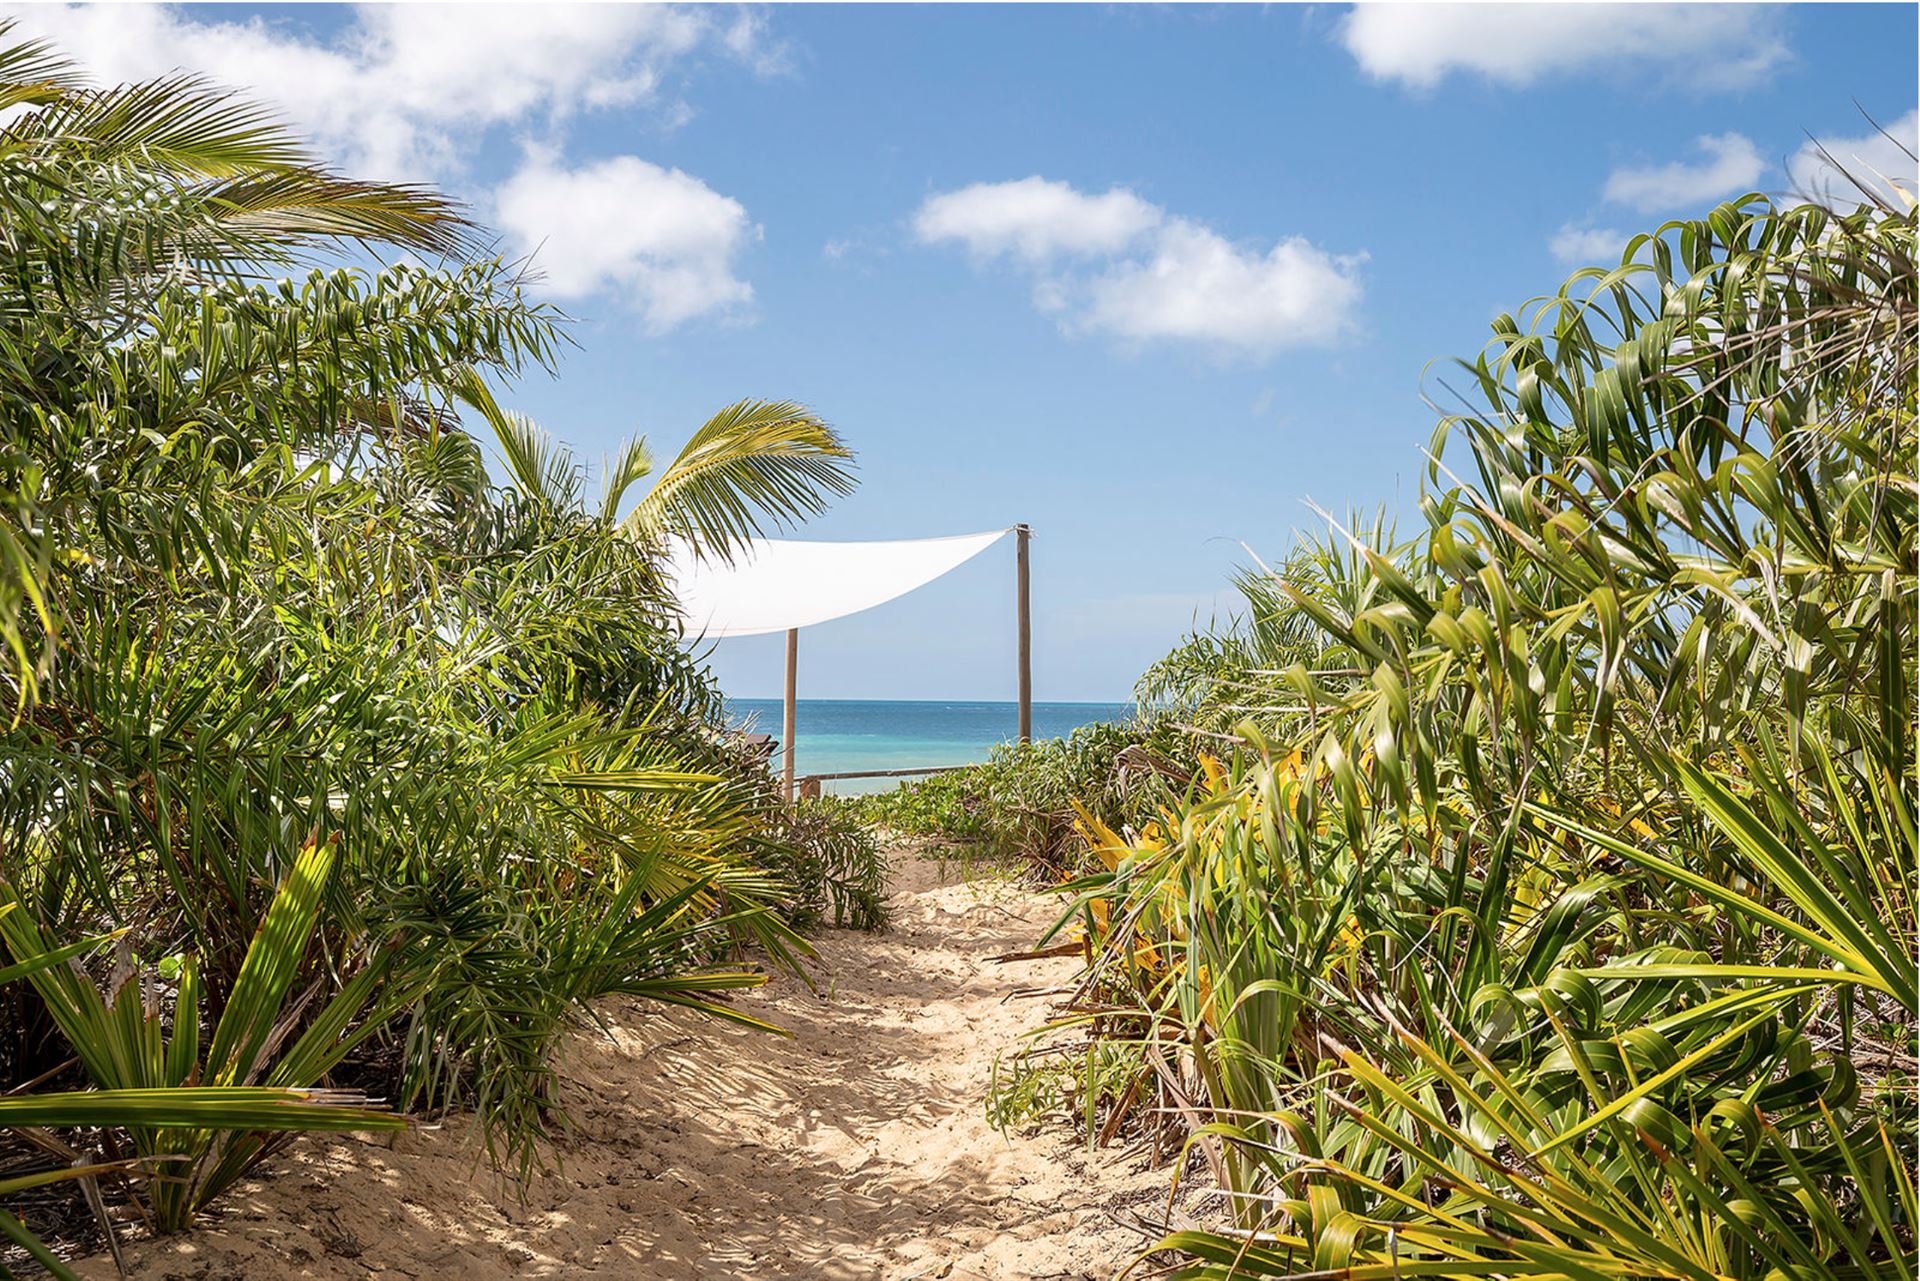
(857, 1149)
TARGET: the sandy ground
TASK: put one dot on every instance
(858, 1148)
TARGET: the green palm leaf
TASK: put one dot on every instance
(754, 465)
(209, 1107)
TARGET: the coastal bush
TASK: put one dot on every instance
(127, 1050)
(833, 868)
(1020, 803)
(1221, 677)
(1555, 913)
(940, 806)
(368, 768)
(827, 865)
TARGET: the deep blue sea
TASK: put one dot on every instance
(836, 735)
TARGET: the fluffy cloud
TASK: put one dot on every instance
(1588, 246)
(1712, 46)
(1034, 219)
(405, 90)
(1731, 165)
(1118, 265)
(1199, 287)
(1840, 171)
(660, 240)
(408, 91)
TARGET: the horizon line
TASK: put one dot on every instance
(1010, 702)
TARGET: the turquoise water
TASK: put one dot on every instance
(838, 735)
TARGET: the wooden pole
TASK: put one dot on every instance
(1022, 535)
(787, 720)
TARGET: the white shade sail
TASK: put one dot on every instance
(777, 584)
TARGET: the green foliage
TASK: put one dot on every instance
(1554, 914)
(116, 202)
(1221, 676)
(372, 770)
(833, 867)
(143, 1072)
(753, 465)
(1020, 803)
(941, 806)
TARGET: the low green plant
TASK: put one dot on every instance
(131, 1051)
(193, 1107)
(1021, 802)
(833, 867)
(941, 806)
(1093, 1083)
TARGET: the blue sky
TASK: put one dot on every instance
(1147, 278)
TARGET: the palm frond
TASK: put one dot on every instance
(631, 464)
(543, 471)
(32, 72)
(754, 466)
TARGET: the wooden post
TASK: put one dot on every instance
(1022, 535)
(787, 721)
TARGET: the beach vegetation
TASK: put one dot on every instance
(341, 779)
(1020, 804)
(1553, 912)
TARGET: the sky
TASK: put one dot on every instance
(1162, 282)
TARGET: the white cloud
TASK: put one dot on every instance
(1140, 274)
(748, 38)
(404, 91)
(1833, 171)
(409, 91)
(1731, 165)
(661, 240)
(1197, 286)
(1034, 219)
(858, 250)
(1705, 46)
(1839, 171)
(1588, 246)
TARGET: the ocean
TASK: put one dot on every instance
(837, 735)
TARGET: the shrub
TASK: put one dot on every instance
(832, 866)
(1021, 802)
(1555, 912)
(264, 607)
